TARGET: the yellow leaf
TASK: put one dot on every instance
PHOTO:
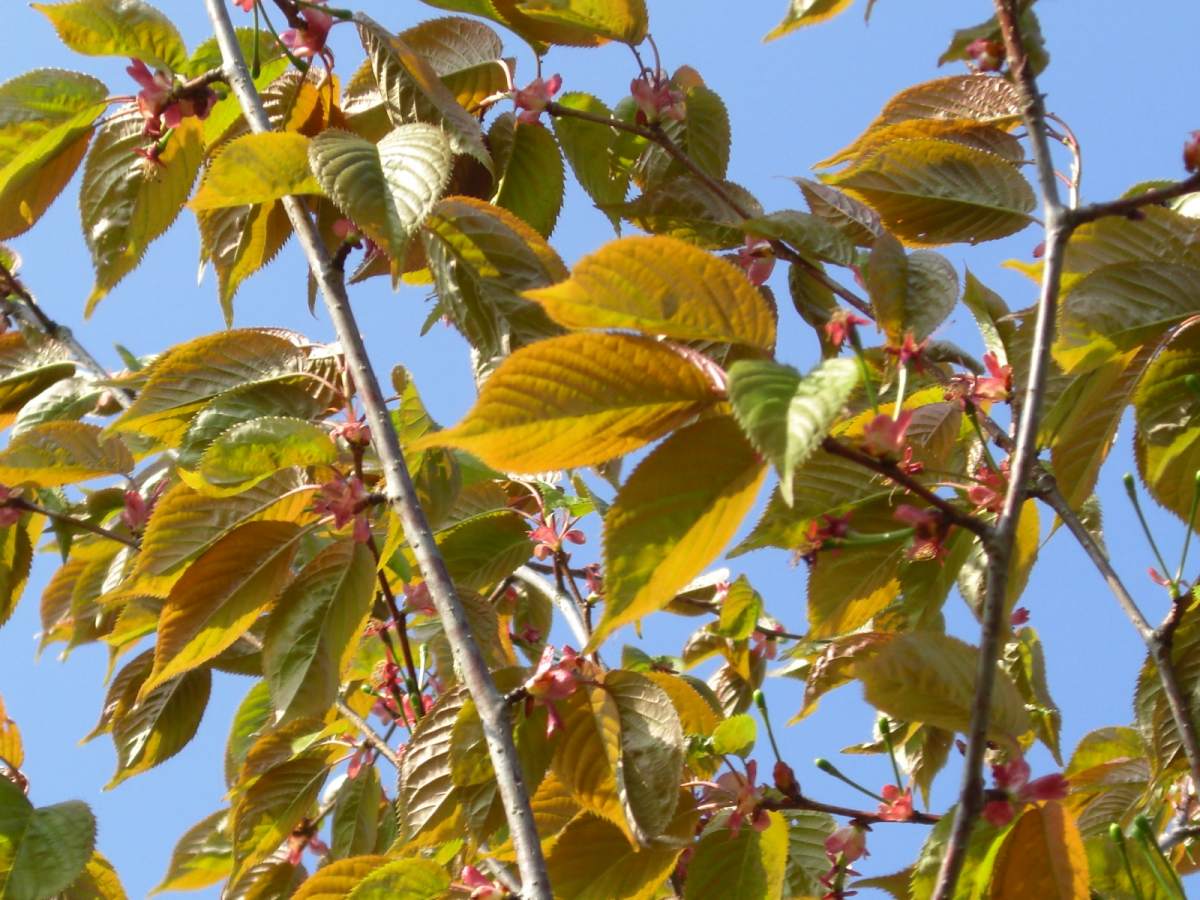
(807, 12)
(336, 880)
(673, 516)
(220, 596)
(661, 285)
(257, 168)
(1043, 857)
(588, 755)
(578, 400)
(58, 453)
(12, 751)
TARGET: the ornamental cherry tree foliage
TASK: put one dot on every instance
(436, 702)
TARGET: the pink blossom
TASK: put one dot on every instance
(756, 260)
(417, 599)
(841, 326)
(161, 104)
(998, 812)
(309, 39)
(884, 436)
(997, 385)
(849, 843)
(480, 886)
(897, 805)
(594, 578)
(304, 837)
(553, 681)
(549, 536)
(244, 5)
(354, 432)
(657, 99)
(1014, 788)
(736, 791)
(764, 643)
(533, 99)
(341, 498)
(10, 513)
(986, 55)
(929, 531)
(987, 492)
(910, 351)
(1019, 617)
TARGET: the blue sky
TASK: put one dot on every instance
(1122, 74)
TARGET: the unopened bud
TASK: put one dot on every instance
(988, 56)
(785, 779)
(1191, 152)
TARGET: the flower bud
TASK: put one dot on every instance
(1191, 152)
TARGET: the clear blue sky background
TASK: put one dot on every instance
(1123, 74)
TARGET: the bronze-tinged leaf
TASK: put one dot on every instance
(202, 856)
(221, 595)
(58, 453)
(674, 515)
(578, 400)
(404, 879)
(661, 286)
(587, 756)
(12, 750)
(1042, 856)
(267, 811)
(336, 880)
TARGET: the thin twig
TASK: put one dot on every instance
(1000, 547)
(370, 735)
(858, 815)
(69, 521)
(467, 657)
(565, 606)
(1126, 206)
(890, 470)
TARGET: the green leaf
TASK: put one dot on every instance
(311, 632)
(126, 202)
(855, 220)
(337, 879)
(1155, 719)
(611, 867)
(150, 731)
(929, 677)
(807, 860)
(786, 415)
(1167, 436)
(590, 150)
(42, 851)
(1120, 307)
(16, 562)
(1025, 661)
(253, 451)
(578, 400)
(808, 233)
(272, 806)
(532, 182)
(977, 869)
(703, 134)
(911, 293)
(673, 516)
(413, 92)
(1042, 856)
(684, 207)
(751, 863)
(220, 596)
(735, 736)
(659, 285)
(615, 20)
(931, 192)
(118, 28)
(403, 879)
(58, 453)
(257, 168)
(203, 856)
(386, 189)
(481, 550)
(356, 813)
(740, 611)
(252, 717)
(807, 12)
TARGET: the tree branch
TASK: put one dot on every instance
(1128, 205)
(69, 521)
(1058, 232)
(570, 612)
(467, 657)
(858, 815)
(369, 734)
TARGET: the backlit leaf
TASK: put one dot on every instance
(616, 20)
(97, 881)
(931, 192)
(673, 516)
(589, 149)
(57, 453)
(272, 806)
(587, 755)
(659, 285)
(257, 168)
(126, 202)
(311, 632)
(203, 856)
(786, 415)
(807, 12)
(578, 400)
(252, 451)
(12, 750)
(532, 182)
(336, 880)
(43, 850)
(118, 28)
(355, 824)
(1042, 856)
(810, 234)
(220, 596)
(929, 677)
(735, 736)
(755, 861)
(1167, 439)
(386, 189)
(403, 879)
(807, 860)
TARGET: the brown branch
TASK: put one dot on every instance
(858, 815)
(1126, 206)
(1000, 547)
(890, 470)
(69, 521)
(369, 734)
(467, 657)
(656, 135)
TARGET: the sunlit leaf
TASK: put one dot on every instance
(589, 149)
(202, 856)
(272, 806)
(57, 453)
(587, 755)
(118, 28)
(755, 861)
(336, 880)
(673, 516)
(97, 881)
(257, 168)
(1167, 436)
(659, 285)
(578, 400)
(617, 20)
(126, 202)
(403, 879)
(251, 451)
(530, 176)
(786, 415)
(1042, 856)
(807, 12)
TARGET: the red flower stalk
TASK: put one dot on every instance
(842, 325)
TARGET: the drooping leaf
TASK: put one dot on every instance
(929, 677)
(589, 149)
(659, 285)
(43, 850)
(755, 861)
(808, 233)
(57, 453)
(684, 207)
(1155, 719)
(118, 28)
(530, 176)
(786, 415)
(673, 516)
(202, 856)
(1025, 662)
(220, 595)
(46, 121)
(855, 220)
(587, 757)
(807, 12)
(311, 632)
(578, 400)
(257, 168)
(1042, 856)
(355, 825)
(413, 92)
(126, 202)
(931, 192)
(265, 814)
(386, 189)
